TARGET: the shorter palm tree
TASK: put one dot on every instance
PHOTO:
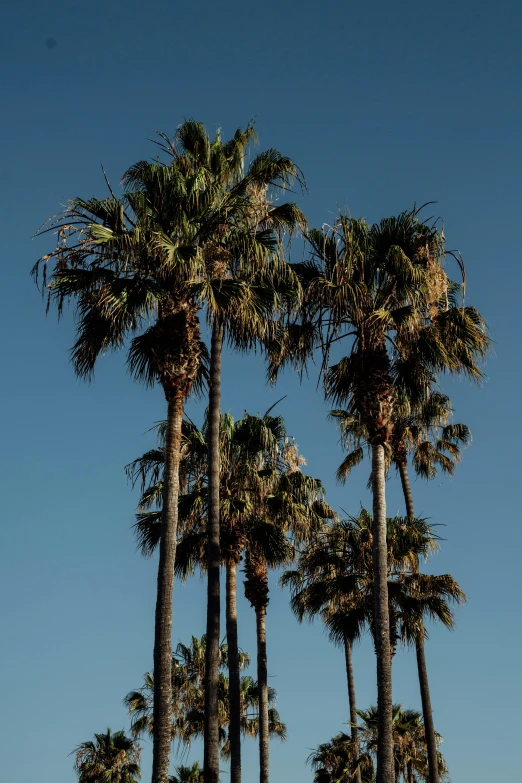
(409, 743)
(339, 761)
(110, 758)
(188, 687)
(193, 774)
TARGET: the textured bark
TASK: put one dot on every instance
(233, 674)
(427, 713)
(385, 769)
(406, 489)
(262, 683)
(211, 732)
(352, 702)
(162, 737)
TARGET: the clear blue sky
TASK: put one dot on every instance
(381, 104)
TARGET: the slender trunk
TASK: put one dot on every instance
(411, 779)
(262, 685)
(427, 713)
(233, 675)
(352, 702)
(211, 736)
(385, 766)
(406, 489)
(429, 728)
(162, 736)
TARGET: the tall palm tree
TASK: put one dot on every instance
(110, 758)
(236, 261)
(383, 290)
(264, 497)
(289, 506)
(108, 260)
(142, 266)
(334, 553)
(424, 432)
(427, 596)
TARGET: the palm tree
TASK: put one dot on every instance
(145, 263)
(339, 761)
(334, 555)
(334, 579)
(384, 290)
(335, 761)
(409, 742)
(121, 280)
(236, 262)
(183, 774)
(288, 504)
(424, 432)
(111, 758)
(441, 450)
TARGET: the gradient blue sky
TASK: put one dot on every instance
(382, 105)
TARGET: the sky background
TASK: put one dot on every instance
(382, 105)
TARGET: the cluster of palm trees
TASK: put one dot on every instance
(198, 238)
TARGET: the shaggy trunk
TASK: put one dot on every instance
(262, 684)
(211, 736)
(385, 767)
(427, 713)
(234, 731)
(162, 736)
(352, 703)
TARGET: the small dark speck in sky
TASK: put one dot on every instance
(50, 43)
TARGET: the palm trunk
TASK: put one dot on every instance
(211, 735)
(429, 728)
(162, 736)
(262, 684)
(233, 675)
(427, 713)
(406, 489)
(385, 766)
(352, 702)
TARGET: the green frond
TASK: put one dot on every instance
(350, 461)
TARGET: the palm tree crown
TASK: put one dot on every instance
(110, 758)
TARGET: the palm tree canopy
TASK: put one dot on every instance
(422, 431)
(186, 233)
(109, 758)
(383, 291)
(334, 579)
(264, 496)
